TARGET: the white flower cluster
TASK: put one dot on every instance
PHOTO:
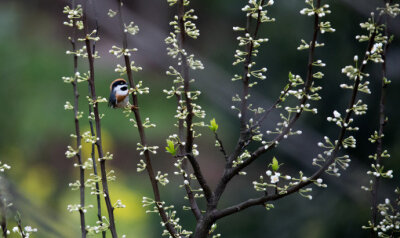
(4, 167)
(74, 14)
(100, 226)
(122, 69)
(388, 218)
(162, 178)
(25, 232)
(118, 51)
(312, 10)
(142, 149)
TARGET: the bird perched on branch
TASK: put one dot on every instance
(119, 94)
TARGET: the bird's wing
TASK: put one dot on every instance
(112, 101)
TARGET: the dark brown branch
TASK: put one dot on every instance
(192, 201)
(221, 146)
(135, 109)
(98, 199)
(95, 173)
(3, 211)
(379, 146)
(230, 172)
(19, 225)
(262, 200)
(245, 135)
(273, 106)
(189, 118)
(91, 81)
(77, 129)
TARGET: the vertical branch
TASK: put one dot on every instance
(189, 107)
(379, 149)
(3, 210)
(19, 225)
(110, 208)
(185, 76)
(93, 154)
(77, 131)
(262, 200)
(142, 135)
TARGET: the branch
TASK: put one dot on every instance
(221, 146)
(135, 109)
(77, 130)
(110, 208)
(262, 200)
(192, 201)
(19, 224)
(382, 123)
(230, 172)
(3, 212)
(189, 118)
(98, 199)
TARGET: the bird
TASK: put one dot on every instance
(119, 94)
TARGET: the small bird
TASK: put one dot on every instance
(119, 95)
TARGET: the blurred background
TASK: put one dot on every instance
(35, 128)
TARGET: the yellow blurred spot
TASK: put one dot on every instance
(38, 184)
(134, 211)
(107, 142)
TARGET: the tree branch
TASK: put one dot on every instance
(230, 172)
(189, 118)
(262, 200)
(77, 129)
(221, 146)
(382, 123)
(110, 208)
(135, 109)
(3, 211)
(98, 199)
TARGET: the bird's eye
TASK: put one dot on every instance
(124, 88)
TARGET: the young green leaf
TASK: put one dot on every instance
(171, 147)
(213, 125)
(274, 164)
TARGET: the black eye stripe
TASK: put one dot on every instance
(118, 83)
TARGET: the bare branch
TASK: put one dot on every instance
(230, 172)
(135, 109)
(221, 146)
(382, 123)
(73, 40)
(262, 200)
(91, 81)
(189, 118)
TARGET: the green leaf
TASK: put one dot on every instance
(213, 125)
(291, 76)
(275, 164)
(171, 147)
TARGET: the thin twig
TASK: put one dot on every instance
(19, 225)
(230, 172)
(221, 146)
(142, 135)
(382, 123)
(110, 208)
(77, 130)
(3, 210)
(262, 200)
(93, 154)
(189, 118)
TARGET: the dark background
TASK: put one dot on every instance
(35, 129)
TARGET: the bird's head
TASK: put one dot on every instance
(119, 86)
